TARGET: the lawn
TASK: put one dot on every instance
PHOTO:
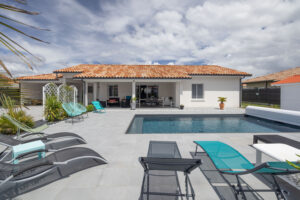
(245, 104)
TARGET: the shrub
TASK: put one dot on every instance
(6, 127)
(89, 108)
(53, 109)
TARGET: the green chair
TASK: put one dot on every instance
(228, 160)
(98, 107)
(24, 127)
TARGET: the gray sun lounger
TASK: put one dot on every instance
(53, 141)
(161, 165)
(16, 179)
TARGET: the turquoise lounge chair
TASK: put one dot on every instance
(98, 107)
(228, 160)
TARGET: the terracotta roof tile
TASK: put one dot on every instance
(275, 76)
(52, 76)
(291, 79)
(147, 71)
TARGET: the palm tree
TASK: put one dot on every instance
(11, 44)
(14, 47)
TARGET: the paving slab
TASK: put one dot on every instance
(122, 177)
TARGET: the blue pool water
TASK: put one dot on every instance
(151, 124)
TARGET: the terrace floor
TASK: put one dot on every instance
(122, 177)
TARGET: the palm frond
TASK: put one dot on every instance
(24, 2)
(19, 31)
(15, 9)
(16, 52)
(5, 69)
(19, 46)
(16, 21)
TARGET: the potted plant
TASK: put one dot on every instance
(133, 103)
(181, 106)
(222, 100)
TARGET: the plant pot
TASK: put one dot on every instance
(133, 105)
(181, 107)
(222, 106)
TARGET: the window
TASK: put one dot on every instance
(90, 89)
(113, 91)
(197, 91)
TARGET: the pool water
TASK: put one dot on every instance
(152, 124)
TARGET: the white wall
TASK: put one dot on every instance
(290, 97)
(214, 87)
(34, 89)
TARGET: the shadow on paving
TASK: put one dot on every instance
(36, 177)
(163, 181)
(218, 182)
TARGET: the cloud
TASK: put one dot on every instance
(253, 36)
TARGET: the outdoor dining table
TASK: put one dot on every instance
(278, 151)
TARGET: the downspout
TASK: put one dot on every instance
(241, 91)
(83, 86)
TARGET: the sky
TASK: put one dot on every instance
(254, 36)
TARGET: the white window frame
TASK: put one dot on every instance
(197, 99)
(114, 85)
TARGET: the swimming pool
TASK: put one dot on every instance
(155, 124)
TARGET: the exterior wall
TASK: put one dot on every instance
(290, 97)
(214, 87)
(32, 90)
(124, 89)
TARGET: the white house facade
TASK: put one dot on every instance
(151, 85)
(290, 93)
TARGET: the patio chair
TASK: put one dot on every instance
(161, 167)
(53, 142)
(16, 179)
(24, 127)
(37, 132)
(98, 107)
(228, 160)
(79, 107)
(72, 110)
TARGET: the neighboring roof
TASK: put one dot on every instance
(148, 71)
(275, 76)
(7, 82)
(291, 79)
(40, 77)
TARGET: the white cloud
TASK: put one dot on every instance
(253, 36)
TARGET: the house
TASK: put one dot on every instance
(267, 80)
(190, 85)
(290, 93)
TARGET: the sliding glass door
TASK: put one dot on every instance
(145, 92)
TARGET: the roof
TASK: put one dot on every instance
(6, 81)
(148, 71)
(291, 79)
(39, 77)
(275, 76)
